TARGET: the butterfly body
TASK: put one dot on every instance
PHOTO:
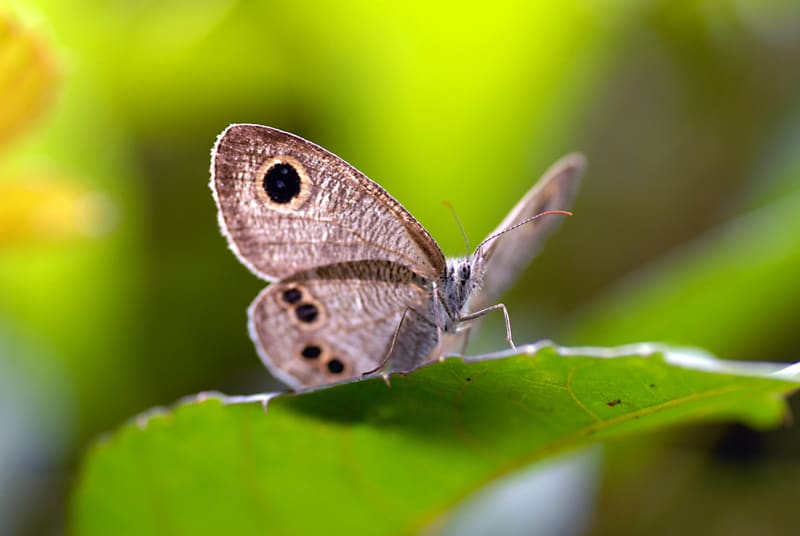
(357, 283)
(455, 286)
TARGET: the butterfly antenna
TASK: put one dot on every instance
(458, 222)
(523, 222)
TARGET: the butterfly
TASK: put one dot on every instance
(357, 284)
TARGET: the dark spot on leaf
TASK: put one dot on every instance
(613, 403)
(469, 379)
(312, 351)
(336, 366)
(652, 385)
(282, 183)
(306, 312)
(292, 295)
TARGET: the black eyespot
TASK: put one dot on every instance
(306, 312)
(282, 183)
(312, 351)
(292, 295)
(464, 271)
(336, 366)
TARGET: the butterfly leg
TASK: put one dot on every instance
(392, 345)
(484, 312)
(408, 361)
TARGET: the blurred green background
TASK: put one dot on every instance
(118, 293)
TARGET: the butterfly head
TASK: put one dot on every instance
(460, 280)
(464, 276)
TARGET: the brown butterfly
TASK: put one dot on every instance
(357, 283)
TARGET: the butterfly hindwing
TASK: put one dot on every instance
(338, 321)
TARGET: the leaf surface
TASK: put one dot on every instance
(367, 458)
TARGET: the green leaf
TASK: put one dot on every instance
(360, 457)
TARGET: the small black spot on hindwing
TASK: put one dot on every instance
(312, 351)
(282, 183)
(335, 366)
(306, 312)
(292, 295)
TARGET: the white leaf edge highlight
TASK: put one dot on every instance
(683, 357)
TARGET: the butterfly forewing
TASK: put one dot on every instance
(506, 256)
(287, 205)
(339, 321)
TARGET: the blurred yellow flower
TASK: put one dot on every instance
(46, 209)
(37, 207)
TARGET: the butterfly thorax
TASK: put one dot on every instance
(459, 281)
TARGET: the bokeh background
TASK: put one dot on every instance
(117, 292)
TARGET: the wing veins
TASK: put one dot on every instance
(357, 236)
